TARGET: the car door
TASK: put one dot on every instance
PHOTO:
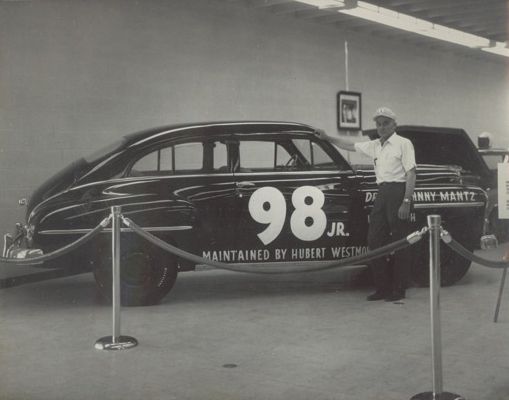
(188, 189)
(294, 202)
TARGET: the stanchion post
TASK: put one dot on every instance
(434, 222)
(115, 341)
(500, 291)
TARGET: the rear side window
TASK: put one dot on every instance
(188, 157)
(180, 159)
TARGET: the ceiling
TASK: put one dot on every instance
(486, 18)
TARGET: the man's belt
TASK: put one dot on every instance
(390, 183)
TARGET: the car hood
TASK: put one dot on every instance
(427, 174)
(436, 146)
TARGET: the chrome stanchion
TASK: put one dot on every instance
(434, 286)
(500, 291)
(502, 284)
(116, 341)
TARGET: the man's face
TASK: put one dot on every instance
(385, 126)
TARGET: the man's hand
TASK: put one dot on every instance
(404, 211)
(342, 143)
(322, 135)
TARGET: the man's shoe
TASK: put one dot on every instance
(396, 295)
(378, 295)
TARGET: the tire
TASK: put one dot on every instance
(146, 274)
(453, 267)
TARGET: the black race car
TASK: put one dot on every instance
(236, 192)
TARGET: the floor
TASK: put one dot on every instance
(222, 335)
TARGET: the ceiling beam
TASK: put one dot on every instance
(464, 11)
(428, 4)
(472, 21)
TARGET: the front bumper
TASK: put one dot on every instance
(16, 245)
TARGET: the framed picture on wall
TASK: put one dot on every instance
(349, 111)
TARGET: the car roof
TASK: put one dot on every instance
(223, 127)
(419, 129)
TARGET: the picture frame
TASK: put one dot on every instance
(349, 111)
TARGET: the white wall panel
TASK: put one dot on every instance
(75, 75)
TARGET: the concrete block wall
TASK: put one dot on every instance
(76, 75)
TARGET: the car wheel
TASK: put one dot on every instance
(146, 275)
(453, 267)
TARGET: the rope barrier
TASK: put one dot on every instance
(278, 268)
(462, 251)
(60, 252)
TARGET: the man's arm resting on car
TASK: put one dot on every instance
(342, 143)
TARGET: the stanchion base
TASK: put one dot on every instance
(122, 343)
(441, 396)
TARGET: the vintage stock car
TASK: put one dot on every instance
(239, 192)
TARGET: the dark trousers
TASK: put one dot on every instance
(385, 227)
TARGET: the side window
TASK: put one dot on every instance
(305, 149)
(261, 156)
(314, 156)
(145, 164)
(320, 159)
(220, 156)
(256, 155)
(289, 155)
(185, 158)
(158, 162)
(284, 160)
(188, 157)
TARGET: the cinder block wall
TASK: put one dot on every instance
(77, 74)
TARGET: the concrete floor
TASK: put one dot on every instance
(222, 335)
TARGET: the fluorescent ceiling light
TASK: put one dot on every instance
(322, 3)
(381, 15)
(330, 4)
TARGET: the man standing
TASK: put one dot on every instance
(394, 162)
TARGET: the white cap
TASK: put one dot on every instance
(384, 112)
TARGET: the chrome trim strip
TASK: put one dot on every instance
(424, 189)
(451, 205)
(83, 231)
(206, 267)
(139, 179)
(153, 178)
(317, 172)
(184, 128)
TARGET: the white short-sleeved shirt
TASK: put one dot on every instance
(392, 160)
